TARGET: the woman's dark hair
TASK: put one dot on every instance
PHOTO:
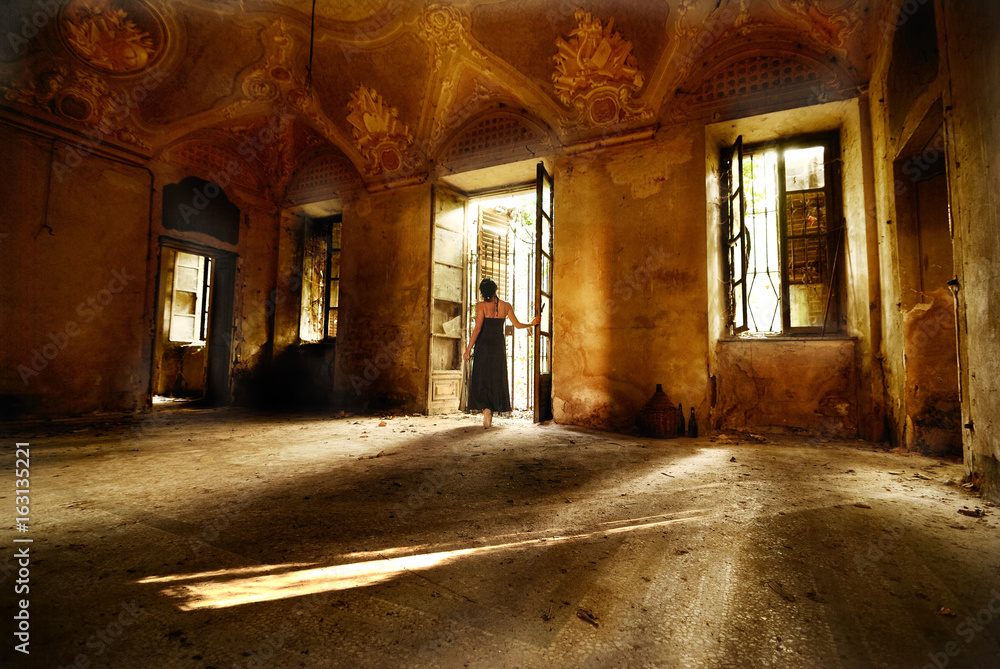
(488, 289)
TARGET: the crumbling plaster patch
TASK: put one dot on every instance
(645, 172)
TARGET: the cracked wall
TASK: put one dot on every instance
(630, 280)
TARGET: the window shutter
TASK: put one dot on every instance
(736, 241)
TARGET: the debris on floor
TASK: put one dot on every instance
(587, 616)
(780, 591)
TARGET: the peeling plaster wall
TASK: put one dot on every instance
(915, 352)
(973, 53)
(933, 411)
(382, 349)
(802, 384)
(630, 280)
(256, 299)
(918, 324)
(73, 283)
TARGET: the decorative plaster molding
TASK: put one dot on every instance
(266, 81)
(378, 134)
(597, 75)
(82, 97)
(495, 138)
(481, 95)
(825, 26)
(723, 18)
(446, 28)
(112, 36)
(763, 78)
(325, 175)
(218, 162)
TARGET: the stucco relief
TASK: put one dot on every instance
(700, 24)
(112, 36)
(458, 111)
(378, 133)
(265, 81)
(596, 72)
(829, 22)
(446, 29)
(84, 97)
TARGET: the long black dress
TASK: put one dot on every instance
(488, 388)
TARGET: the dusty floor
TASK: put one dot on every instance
(197, 538)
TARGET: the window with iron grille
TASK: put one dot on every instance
(782, 235)
(320, 279)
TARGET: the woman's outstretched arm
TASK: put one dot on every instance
(518, 324)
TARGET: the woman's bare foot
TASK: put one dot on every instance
(487, 418)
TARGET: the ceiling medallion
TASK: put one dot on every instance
(446, 28)
(81, 96)
(440, 23)
(113, 36)
(378, 134)
(596, 72)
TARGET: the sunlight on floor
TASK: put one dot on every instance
(299, 582)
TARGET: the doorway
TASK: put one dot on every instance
(932, 421)
(504, 234)
(193, 337)
(502, 248)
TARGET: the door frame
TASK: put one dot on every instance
(221, 323)
(544, 216)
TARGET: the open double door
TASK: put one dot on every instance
(458, 264)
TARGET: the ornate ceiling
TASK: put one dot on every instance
(400, 89)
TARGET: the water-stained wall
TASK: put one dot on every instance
(73, 283)
(630, 280)
(974, 129)
(384, 300)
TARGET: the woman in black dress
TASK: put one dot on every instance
(488, 389)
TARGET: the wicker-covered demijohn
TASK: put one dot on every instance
(660, 417)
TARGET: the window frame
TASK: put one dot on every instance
(326, 224)
(836, 229)
(338, 220)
